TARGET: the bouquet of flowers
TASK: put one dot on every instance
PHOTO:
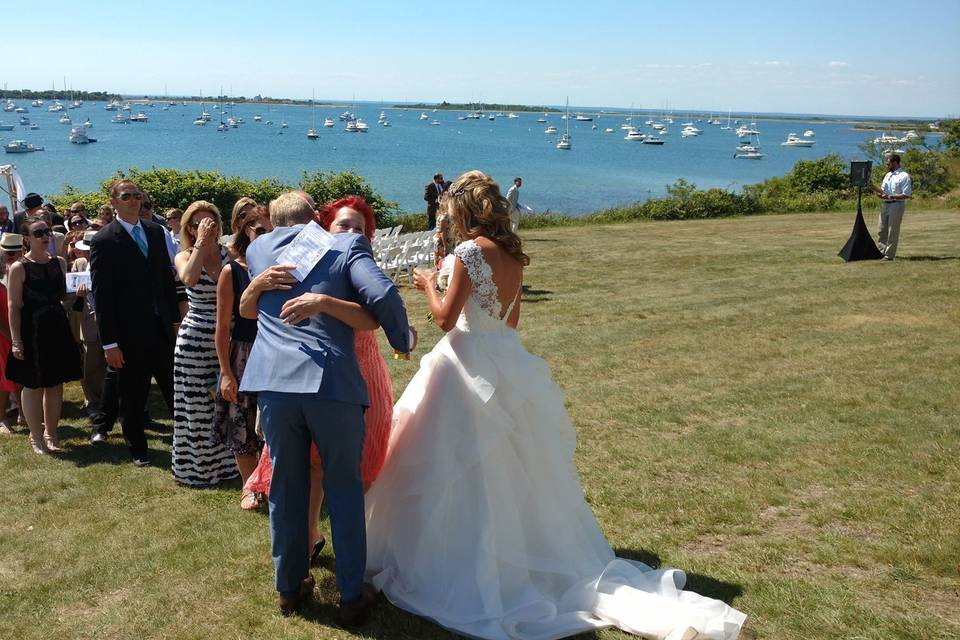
(445, 272)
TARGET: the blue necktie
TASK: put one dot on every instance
(140, 240)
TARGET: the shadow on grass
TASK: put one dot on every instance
(928, 258)
(531, 295)
(540, 240)
(696, 582)
(114, 450)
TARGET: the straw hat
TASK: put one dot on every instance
(84, 245)
(11, 242)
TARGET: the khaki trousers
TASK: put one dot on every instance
(891, 214)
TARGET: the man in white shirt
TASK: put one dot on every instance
(894, 191)
(513, 197)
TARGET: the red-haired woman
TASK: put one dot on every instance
(347, 215)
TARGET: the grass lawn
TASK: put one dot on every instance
(781, 425)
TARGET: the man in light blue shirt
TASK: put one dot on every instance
(895, 189)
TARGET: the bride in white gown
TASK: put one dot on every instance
(477, 520)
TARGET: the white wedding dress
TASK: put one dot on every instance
(477, 520)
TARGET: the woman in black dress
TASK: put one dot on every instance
(44, 354)
(235, 417)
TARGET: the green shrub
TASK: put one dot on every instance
(329, 186)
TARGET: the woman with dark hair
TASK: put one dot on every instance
(235, 417)
(478, 520)
(44, 354)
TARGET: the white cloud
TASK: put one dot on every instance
(838, 64)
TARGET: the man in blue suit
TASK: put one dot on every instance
(309, 387)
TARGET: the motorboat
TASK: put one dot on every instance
(76, 104)
(424, 116)
(10, 106)
(689, 132)
(78, 135)
(608, 130)
(386, 123)
(122, 118)
(381, 117)
(56, 106)
(794, 141)
(689, 128)
(65, 119)
(744, 131)
(312, 134)
(233, 123)
(111, 106)
(658, 126)
(257, 118)
(541, 120)
(550, 129)
(140, 117)
(564, 144)
(362, 126)
(25, 121)
(352, 126)
(435, 123)
(20, 146)
(491, 117)
(21, 110)
(7, 127)
(284, 125)
(36, 103)
(653, 140)
(87, 123)
(200, 122)
(582, 118)
(634, 135)
(809, 134)
(34, 126)
(749, 150)
(223, 126)
(512, 116)
(886, 138)
(347, 115)
(328, 122)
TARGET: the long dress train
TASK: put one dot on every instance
(478, 521)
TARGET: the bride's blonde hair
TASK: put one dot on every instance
(476, 208)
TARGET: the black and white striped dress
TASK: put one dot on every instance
(199, 457)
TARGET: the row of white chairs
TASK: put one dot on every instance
(399, 255)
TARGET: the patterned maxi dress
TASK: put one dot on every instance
(200, 458)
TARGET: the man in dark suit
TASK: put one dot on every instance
(136, 309)
(431, 193)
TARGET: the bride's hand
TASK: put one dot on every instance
(424, 279)
(276, 278)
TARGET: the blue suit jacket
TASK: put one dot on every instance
(317, 356)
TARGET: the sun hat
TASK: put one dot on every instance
(11, 242)
(84, 245)
(32, 201)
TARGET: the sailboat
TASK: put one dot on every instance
(312, 131)
(727, 126)
(564, 144)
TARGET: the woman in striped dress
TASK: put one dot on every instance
(200, 458)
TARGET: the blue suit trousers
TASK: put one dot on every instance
(290, 421)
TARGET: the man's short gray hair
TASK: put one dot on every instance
(290, 208)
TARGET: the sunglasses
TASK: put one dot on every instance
(126, 195)
(41, 233)
(14, 253)
(79, 222)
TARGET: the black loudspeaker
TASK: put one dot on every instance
(860, 245)
(860, 173)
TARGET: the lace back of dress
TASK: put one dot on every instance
(483, 309)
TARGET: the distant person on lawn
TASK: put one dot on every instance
(431, 194)
(513, 197)
(895, 189)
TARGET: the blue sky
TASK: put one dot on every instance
(861, 58)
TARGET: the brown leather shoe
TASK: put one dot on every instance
(290, 601)
(354, 614)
